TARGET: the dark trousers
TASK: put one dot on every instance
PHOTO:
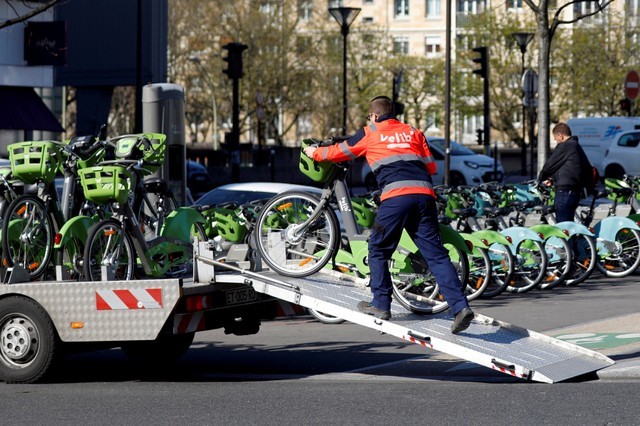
(418, 215)
(566, 203)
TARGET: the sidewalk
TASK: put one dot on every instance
(617, 337)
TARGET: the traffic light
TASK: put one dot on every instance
(234, 59)
(625, 106)
(482, 60)
(479, 133)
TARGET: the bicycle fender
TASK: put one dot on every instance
(475, 241)
(574, 228)
(608, 227)
(78, 226)
(179, 222)
(519, 234)
(491, 237)
(453, 237)
(549, 231)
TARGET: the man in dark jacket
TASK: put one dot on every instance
(565, 168)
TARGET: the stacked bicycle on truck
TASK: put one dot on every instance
(109, 223)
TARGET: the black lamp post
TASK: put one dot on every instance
(523, 39)
(345, 17)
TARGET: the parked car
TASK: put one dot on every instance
(199, 181)
(622, 157)
(465, 166)
(249, 191)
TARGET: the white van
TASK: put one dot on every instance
(595, 134)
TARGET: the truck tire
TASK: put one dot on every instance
(165, 349)
(28, 340)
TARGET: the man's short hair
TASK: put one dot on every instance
(562, 129)
(381, 105)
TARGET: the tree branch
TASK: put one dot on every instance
(29, 15)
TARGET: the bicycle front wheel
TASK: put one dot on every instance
(502, 270)
(559, 262)
(287, 243)
(108, 254)
(531, 265)
(623, 256)
(479, 273)
(27, 235)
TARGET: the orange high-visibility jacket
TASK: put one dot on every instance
(398, 154)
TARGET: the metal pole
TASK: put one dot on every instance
(344, 80)
(447, 96)
(524, 126)
(531, 136)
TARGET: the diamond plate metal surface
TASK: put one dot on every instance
(533, 354)
(71, 302)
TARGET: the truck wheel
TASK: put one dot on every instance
(28, 340)
(165, 349)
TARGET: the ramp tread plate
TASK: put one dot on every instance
(550, 357)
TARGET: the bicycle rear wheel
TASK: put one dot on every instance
(110, 247)
(421, 295)
(623, 257)
(27, 235)
(289, 245)
(584, 258)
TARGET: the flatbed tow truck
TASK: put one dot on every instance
(156, 319)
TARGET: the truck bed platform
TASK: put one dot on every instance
(494, 344)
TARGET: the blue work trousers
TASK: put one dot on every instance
(417, 214)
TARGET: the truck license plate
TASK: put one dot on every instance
(241, 296)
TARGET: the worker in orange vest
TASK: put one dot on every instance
(400, 159)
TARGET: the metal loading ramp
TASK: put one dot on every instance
(503, 347)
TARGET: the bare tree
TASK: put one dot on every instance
(546, 29)
(33, 12)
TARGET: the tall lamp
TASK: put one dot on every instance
(523, 39)
(345, 17)
(197, 61)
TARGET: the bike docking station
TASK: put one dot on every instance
(500, 346)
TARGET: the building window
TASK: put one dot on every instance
(367, 2)
(367, 20)
(305, 10)
(471, 7)
(335, 3)
(434, 8)
(584, 8)
(432, 46)
(514, 4)
(401, 8)
(401, 45)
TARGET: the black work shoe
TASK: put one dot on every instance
(462, 320)
(368, 308)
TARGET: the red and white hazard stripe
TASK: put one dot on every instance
(126, 299)
(189, 323)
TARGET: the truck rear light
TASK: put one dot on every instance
(198, 303)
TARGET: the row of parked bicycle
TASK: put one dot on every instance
(103, 222)
(115, 220)
(500, 237)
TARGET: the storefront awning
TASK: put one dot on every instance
(22, 109)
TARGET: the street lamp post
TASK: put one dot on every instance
(203, 71)
(523, 39)
(345, 17)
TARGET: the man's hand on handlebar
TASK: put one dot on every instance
(309, 151)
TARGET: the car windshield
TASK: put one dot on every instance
(456, 148)
(220, 196)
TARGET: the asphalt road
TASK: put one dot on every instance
(298, 371)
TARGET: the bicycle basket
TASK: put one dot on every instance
(314, 170)
(131, 148)
(102, 184)
(33, 161)
(365, 214)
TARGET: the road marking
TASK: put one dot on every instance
(600, 340)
